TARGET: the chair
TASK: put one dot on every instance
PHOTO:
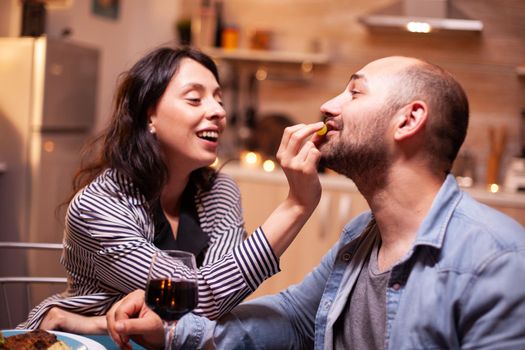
(25, 281)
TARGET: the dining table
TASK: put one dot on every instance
(106, 341)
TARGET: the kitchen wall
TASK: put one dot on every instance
(140, 26)
(484, 64)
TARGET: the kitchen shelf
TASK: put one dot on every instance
(249, 55)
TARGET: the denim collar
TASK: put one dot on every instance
(430, 233)
(432, 230)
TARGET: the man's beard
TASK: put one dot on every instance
(366, 161)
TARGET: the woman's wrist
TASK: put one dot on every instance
(101, 324)
(298, 208)
(284, 223)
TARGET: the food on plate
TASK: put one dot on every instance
(323, 130)
(59, 345)
(33, 340)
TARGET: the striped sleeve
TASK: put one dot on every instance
(256, 259)
(243, 264)
(108, 250)
(236, 275)
(116, 232)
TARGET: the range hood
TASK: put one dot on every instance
(421, 16)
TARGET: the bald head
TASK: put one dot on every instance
(412, 79)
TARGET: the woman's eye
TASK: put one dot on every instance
(194, 101)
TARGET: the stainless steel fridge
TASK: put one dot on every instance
(47, 110)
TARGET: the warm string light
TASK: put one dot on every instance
(254, 160)
(419, 27)
(269, 165)
(494, 188)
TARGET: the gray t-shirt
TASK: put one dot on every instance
(363, 320)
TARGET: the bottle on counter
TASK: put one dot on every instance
(230, 37)
(204, 25)
(219, 23)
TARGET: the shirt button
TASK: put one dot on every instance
(346, 257)
(396, 286)
(327, 304)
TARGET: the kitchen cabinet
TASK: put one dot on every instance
(340, 202)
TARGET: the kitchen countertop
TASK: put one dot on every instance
(339, 182)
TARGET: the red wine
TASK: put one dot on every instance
(171, 299)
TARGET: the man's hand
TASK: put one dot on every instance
(130, 317)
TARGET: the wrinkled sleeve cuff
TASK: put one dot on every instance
(189, 332)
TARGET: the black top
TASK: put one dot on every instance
(190, 236)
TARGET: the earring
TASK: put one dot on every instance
(151, 129)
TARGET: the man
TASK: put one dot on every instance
(428, 267)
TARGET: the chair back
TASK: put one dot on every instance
(17, 289)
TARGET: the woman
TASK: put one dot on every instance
(151, 188)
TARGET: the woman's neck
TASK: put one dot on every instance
(171, 195)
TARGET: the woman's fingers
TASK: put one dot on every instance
(299, 157)
(288, 131)
(293, 140)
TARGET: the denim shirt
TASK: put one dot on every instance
(461, 285)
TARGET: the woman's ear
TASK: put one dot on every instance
(151, 128)
(151, 121)
(410, 120)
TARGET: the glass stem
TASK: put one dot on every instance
(169, 331)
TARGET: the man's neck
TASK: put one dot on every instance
(399, 209)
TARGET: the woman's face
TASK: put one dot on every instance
(189, 118)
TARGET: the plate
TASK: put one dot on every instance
(74, 341)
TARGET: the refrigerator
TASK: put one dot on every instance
(47, 111)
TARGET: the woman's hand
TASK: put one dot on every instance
(130, 317)
(59, 319)
(298, 157)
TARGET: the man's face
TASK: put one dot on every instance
(357, 144)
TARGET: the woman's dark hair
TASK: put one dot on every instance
(127, 145)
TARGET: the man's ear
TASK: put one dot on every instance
(410, 120)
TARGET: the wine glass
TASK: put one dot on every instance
(171, 291)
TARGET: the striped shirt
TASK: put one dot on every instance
(108, 247)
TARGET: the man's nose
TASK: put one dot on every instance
(331, 108)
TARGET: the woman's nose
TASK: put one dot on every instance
(216, 111)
